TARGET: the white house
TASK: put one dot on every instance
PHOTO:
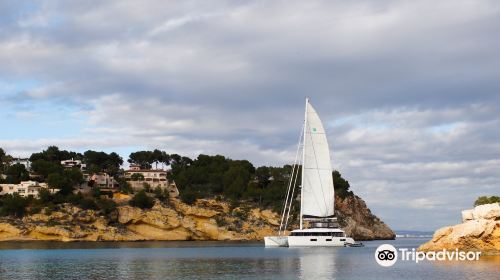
(103, 180)
(24, 161)
(153, 177)
(71, 163)
(25, 188)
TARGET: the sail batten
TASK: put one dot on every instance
(317, 185)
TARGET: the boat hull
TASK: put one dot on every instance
(319, 241)
(276, 241)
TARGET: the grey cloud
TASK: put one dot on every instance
(408, 89)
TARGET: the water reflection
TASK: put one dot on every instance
(318, 263)
(192, 260)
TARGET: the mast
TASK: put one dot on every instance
(303, 161)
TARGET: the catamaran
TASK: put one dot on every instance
(317, 196)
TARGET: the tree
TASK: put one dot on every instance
(137, 177)
(188, 196)
(341, 185)
(143, 158)
(57, 181)
(101, 161)
(161, 194)
(53, 154)
(141, 200)
(74, 176)
(5, 160)
(44, 167)
(17, 173)
(14, 205)
(124, 186)
(44, 196)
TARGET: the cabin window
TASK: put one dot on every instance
(343, 239)
(314, 239)
(328, 240)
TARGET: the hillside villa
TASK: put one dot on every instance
(71, 163)
(25, 188)
(139, 178)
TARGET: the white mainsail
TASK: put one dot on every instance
(317, 183)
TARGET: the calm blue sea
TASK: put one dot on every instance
(221, 260)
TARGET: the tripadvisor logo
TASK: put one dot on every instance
(387, 255)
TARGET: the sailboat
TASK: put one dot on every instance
(318, 224)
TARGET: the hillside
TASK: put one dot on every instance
(206, 219)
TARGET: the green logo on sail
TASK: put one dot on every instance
(314, 129)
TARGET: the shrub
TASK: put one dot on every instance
(146, 187)
(141, 200)
(96, 192)
(106, 205)
(486, 200)
(14, 205)
(87, 204)
(35, 210)
(221, 222)
(124, 186)
(75, 199)
(44, 195)
(162, 195)
(188, 196)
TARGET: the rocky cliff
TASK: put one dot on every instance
(207, 219)
(479, 231)
(358, 221)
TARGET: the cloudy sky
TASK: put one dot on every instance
(409, 90)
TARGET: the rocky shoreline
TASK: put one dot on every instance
(207, 219)
(479, 231)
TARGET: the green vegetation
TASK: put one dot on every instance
(4, 160)
(146, 159)
(236, 180)
(162, 195)
(141, 200)
(137, 177)
(204, 177)
(13, 205)
(102, 162)
(486, 200)
(16, 173)
(16, 205)
(341, 185)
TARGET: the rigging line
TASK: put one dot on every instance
(282, 223)
(291, 199)
(291, 179)
(319, 174)
(286, 200)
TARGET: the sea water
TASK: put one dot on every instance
(222, 260)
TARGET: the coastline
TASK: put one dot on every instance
(205, 220)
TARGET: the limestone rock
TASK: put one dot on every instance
(9, 232)
(358, 221)
(482, 233)
(207, 219)
(487, 211)
(467, 215)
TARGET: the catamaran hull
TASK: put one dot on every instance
(276, 241)
(319, 241)
(308, 241)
